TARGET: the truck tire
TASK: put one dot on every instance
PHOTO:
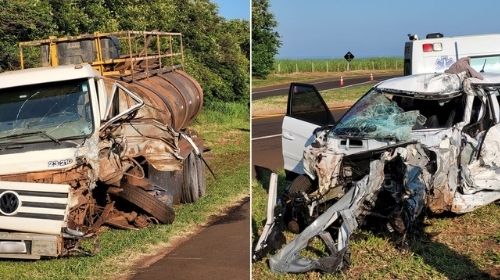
(190, 187)
(148, 203)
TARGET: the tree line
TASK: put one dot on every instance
(217, 51)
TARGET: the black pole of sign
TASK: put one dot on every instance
(349, 57)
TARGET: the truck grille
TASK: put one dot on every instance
(33, 207)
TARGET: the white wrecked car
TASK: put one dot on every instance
(423, 141)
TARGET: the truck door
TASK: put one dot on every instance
(306, 111)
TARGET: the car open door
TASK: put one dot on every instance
(306, 111)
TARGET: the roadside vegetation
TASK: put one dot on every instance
(265, 39)
(334, 98)
(287, 66)
(225, 128)
(449, 247)
(283, 80)
(217, 50)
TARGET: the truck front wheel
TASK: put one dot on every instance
(148, 203)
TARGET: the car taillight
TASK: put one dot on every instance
(435, 47)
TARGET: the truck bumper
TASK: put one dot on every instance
(29, 245)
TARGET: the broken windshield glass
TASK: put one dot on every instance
(377, 116)
(60, 109)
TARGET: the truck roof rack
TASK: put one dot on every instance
(123, 53)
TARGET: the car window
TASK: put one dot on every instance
(438, 113)
(490, 64)
(305, 103)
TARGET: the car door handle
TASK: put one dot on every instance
(288, 136)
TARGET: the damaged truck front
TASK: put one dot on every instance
(427, 141)
(95, 136)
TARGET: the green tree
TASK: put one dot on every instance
(216, 50)
(265, 40)
(21, 21)
(76, 17)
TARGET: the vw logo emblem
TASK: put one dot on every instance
(9, 203)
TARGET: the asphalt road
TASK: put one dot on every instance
(266, 141)
(266, 151)
(322, 84)
(220, 251)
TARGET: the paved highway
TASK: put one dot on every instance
(220, 251)
(322, 84)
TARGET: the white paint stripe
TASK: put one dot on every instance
(43, 226)
(42, 210)
(318, 83)
(270, 90)
(266, 137)
(39, 187)
(44, 199)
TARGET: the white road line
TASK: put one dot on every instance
(362, 83)
(266, 137)
(270, 90)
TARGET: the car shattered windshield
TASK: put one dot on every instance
(376, 115)
(45, 112)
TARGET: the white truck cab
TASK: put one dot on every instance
(436, 53)
(46, 116)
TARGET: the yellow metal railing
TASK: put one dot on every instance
(137, 51)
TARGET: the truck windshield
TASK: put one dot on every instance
(45, 112)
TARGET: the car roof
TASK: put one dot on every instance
(46, 75)
(434, 85)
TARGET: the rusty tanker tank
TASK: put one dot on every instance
(174, 98)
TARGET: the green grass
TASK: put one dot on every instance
(456, 247)
(338, 97)
(282, 66)
(304, 70)
(119, 249)
(284, 79)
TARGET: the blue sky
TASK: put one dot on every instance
(328, 29)
(234, 9)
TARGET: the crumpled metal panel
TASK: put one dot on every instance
(157, 143)
(288, 258)
(430, 85)
(325, 165)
